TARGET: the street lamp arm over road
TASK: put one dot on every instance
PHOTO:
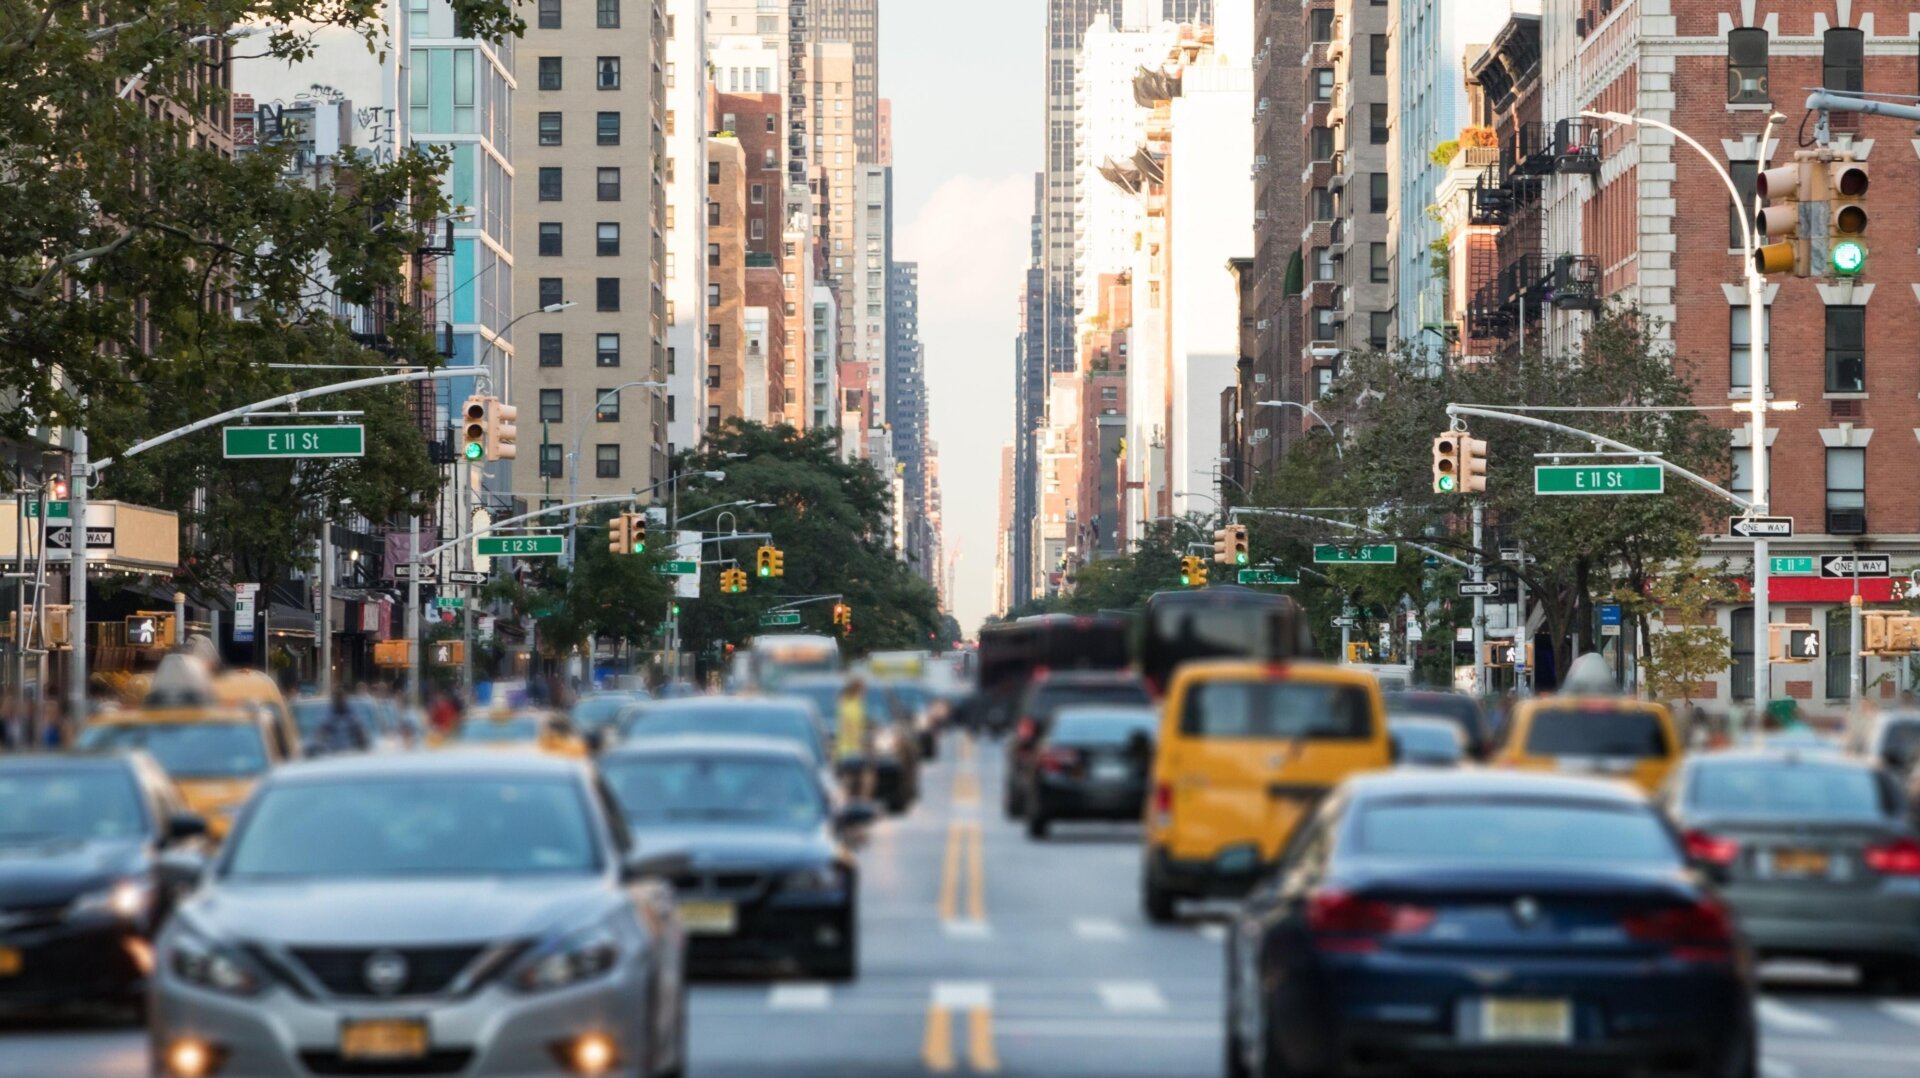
(1311, 413)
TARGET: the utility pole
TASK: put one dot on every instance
(76, 580)
(1479, 605)
(413, 612)
(1522, 670)
(325, 679)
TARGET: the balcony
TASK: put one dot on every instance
(1576, 148)
(1490, 202)
(1573, 284)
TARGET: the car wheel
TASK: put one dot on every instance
(1742, 1061)
(1269, 1061)
(1899, 978)
(1157, 903)
(1037, 825)
(1016, 807)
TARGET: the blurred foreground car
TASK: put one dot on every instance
(439, 913)
(782, 719)
(1455, 707)
(1419, 741)
(766, 883)
(540, 731)
(596, 716)
(1483, 923)
(1891, 737)
(82, 885)
(1093, 764)
(1816, 853)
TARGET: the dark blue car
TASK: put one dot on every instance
(1484, 923)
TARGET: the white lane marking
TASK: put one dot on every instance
(1131, 997)
(799, 997)
(1107, 1028)
(1902, 1012)
(1098, 928)
(962, 995)
(1782, 1018)
(967, 929)
(1212, 933)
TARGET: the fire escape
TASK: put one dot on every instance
(1516, 281)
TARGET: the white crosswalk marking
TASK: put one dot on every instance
(1212, 933)
(1098, 928)
(1131, 997)
(1902, 1012)
(799, 997)
(961, 995)
(967, 930)
(1779, 1017)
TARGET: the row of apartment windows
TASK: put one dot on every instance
(606, 456)
(1846, 486)
(1379, 326)
(1326, 264)
(606, 15)
(606, 350)
(606, 238)
(606, 183)
(606, 408)
(1325, 203)
(1843, 52)
(606, 73)
(606, 129)
(1846, 348)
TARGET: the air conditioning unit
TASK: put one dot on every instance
(1263, 323)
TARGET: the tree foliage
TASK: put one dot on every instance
(618, 596)
(1689, 646)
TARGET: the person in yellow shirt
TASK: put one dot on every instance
(852, 750)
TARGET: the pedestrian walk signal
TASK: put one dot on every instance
(1891, 632)
(1792, 643)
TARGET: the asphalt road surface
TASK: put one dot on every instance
(986, 953)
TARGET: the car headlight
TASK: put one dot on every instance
(824, 879)
(208, 963)
(569, 960)
(126, 900)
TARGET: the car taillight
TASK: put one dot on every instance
(1901, 857)
(1702, 931)
(1343, 922)
(1711, 849)
(1056, 761)
(1024, 731)
(1163, 800)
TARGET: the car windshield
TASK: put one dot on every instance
(390, 828)
(592, 712)
(1278, 709)
(78, 803)
(1596, 731)
(1786, 790)
(1103, 727)
(1512, 831)
(517, 728)
(199, 750)
(1427, 739)
(693, 787)
(787, 724)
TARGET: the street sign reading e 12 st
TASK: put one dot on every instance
(1266, 576)
(779, 619)
(345, 440)
(1599, 479)
(521, 546)
(1375, 554)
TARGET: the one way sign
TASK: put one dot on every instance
(97, 538)
(1757, 527)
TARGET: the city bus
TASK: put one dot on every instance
(772, 659)
(1011, 653)
(1226, 622)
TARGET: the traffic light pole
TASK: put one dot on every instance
(1479, 604)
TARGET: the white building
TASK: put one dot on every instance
(1108, 127)
(823, 331)
(686, 218)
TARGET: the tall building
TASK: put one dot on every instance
(1109, 125)
(831, 177)
(592, 110)
(1030, 404)
(729, 395)
(864, 288)
(907, 412)
(856, 23)
(1067, 24)
(1004, 560)
(1276, 373)
(685, 173)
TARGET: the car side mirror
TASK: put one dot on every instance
(657, 866)
(180, 871)
(1394, 751)
(185, 825)
(854, 814)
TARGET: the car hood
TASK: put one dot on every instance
(419, 912)
(58, 871)
(735, 846)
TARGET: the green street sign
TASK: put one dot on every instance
(298, 441)
(57, 511)
(449, 602)
(520, 546)
(779, 620)
(1599, 479)
(1794, 565)
(1266, 576)
(1374, 554)
(679, 568)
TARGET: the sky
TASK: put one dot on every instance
(967, 84)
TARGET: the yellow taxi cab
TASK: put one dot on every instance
(524, 729)
(215, 736)
(1247, 750)
(1611, 736)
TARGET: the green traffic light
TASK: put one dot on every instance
(640, 546)
(1848, 257)
(1240, 557)
(1446, 484)
(474, 450)
(764, 571)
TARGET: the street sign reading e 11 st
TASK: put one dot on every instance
(344, 440)
(520, 546)
(1599, 479)
(1266, 576)
(1376, 554)
(1793, 565)
(780, 619)
(678, 568)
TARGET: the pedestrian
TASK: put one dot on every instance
(443, 714)
(851, 744)
(342, 731)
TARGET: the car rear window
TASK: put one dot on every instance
(1103, 728)
(1610, 731)
(1511, 831)
(1786, 790)
(1901, 744)
(1277, 709)
(1460, 710)
(1050, 698)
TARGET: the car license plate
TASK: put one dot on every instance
(709, 918)
(1800, 862)
(1542, 1021)
(10, 962)
(1109, 771)
(383, 1038)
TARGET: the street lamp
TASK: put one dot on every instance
(1757, 383)
(198, 39)
(1338, 453)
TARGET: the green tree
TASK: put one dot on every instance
(1689, 647)
(617, 596)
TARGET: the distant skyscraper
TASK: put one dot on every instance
(858, 23)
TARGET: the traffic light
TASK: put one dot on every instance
(503, 437)
(1359, 651)
(1779, 247)
(843, 617)
(637, 533)
(473, 431)
(1221, 544)
(763, 561)
(619, 533)
(779, 562)
(60, 488)
(58, 631)
(392, 653)
(1193, 572)
(1891, 632)
(1446, 463)
(1847, 184)
(733, 581)
(1237, 538)
(1473, 464)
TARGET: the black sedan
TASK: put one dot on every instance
(1456, 707)
(1093, 764)
(765, 883)
(1043, 698)
(1795, 837)
(82, 886)
(1487, 923)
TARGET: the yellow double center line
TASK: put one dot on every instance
(963, 867)
(937, 1052)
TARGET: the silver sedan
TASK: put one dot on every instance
(444, 913)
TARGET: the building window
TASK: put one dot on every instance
(606, 73)
(606, 460)
(1377, 58)
(549, 129)
(550, 291)
(549, 239)
(756, 229)
(606, 13)
(1379, 327)
(549, 72)
(1740, 477)
(713, 334)
(1320, 144)
(1377, 263)
(1323, 323)
(606, 293)
(1378, 133)
(1320, 25)
(607, 129)
(1843, 59)
(713, 173)
(1846, 491)
(713, 213)
(713, 376)
(1321, 204)
(713, 295)
(1377, 192)
(549, 349)
(550, 461)
(1323, 84)
(713, 254)
(608, 184)
(549, 14)
(550, 406)
(1846, 349)
(757, 193)
(1839, 645)
(606, 406)
(1740, 348)
(549, 185)
(1740, 629)
(1740, 217)
(1747, 66)
(1323, 264)
(606, 239)
(606, 350)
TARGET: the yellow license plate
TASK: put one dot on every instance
(383, 1038)
(1541, 1021)
(9, 962)
(1800, 862)
(709, 918)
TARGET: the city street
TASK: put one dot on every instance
(1018, 958)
